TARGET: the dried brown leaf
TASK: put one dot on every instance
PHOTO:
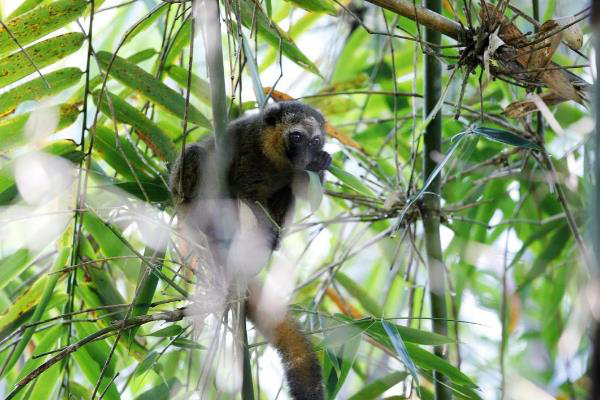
(521, 108)
(556, 80)
(545, 49)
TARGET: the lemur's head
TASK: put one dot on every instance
(295, 133)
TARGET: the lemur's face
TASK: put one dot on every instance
(304, 141)
(302, 130)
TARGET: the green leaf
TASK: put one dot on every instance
(154, 190)
(163, 391)
(200, 87)
(147, 22)
(22, 305)
(376, 388)
(556, 244)
(12, 130)
(121, 155)
(188, 344)
(352, 181)
(149, 87)
(66, 149)
(253, 68)
(17, 65)
(169, 331)
(344, 333)
(39, 22)
(41, 304)
(182, 38)
(146, 363)
(342, 356)
(316, 6)
(506, 137)
(12, 265)
(44, 341)
(91, 371)
(25, 6)
(98, 349)
(147, 130)
(37, 89)
(146, 286)
(253, 16)
(400, 348)
(315, 190)
(427, 360)
(360, 294)
(374, 328)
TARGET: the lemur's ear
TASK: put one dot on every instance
(272, 113)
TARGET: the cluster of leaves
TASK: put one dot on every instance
(513, 213)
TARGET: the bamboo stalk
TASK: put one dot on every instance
(431, 204)
(427, 17)
(211, 21)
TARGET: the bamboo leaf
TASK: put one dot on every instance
(556, 244)
(91, 371)
(200, 87)
(315, 190)
(169, 331)
(376, 388)
(360, 294)
(253, 15)
(411, 335)
(148, 22)
(154, 190)
(163, 391)
(21, 306)
(151, 88)
(352, 181)
(98, 350)
(182, 38)
(47, 52)
(251, 64)
(12, 130)
(147, 130)
(120, 154)
(506, 137)
(39, 22)
(147, 284)
(36, 89)
(12, 265)
(400, 348)
(188, 344)
(427, 360)
(41, 305)
(44, 342)
(146, 363)
(319, 6)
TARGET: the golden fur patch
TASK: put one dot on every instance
(273, 146)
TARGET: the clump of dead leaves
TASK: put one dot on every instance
(526, 59)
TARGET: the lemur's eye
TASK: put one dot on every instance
(315, 142)
(296, 137)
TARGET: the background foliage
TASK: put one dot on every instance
(94, 107)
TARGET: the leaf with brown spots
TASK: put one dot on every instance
(36, 89)
(12, 130)
(149, 87)
(147, 130)
(39, 22)
(47, 52)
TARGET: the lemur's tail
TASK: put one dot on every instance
(302, 368)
